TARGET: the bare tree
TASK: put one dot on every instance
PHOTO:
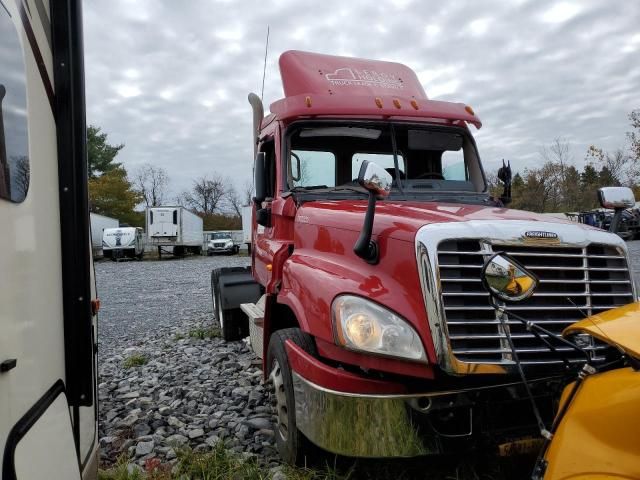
(151, 182)
(247, 192)
(206, 195)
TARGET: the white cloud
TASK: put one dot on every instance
(560, 12)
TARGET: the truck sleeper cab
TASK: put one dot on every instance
(399, 353)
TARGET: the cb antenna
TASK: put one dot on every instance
(264, 70)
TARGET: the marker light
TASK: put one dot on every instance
(379, 102)
(365, 326)
(414, 104)
(469, 110)
(396, 103)
(307, 101)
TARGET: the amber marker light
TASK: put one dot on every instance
(95, 306)
(414, 104)
(396, 103)
(379, 102)
(269, 267)
(469, 110)
(307, 101)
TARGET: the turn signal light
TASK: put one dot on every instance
(269, 267)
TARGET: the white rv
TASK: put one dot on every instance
(174, 227)
(98, 224)
(48, 397)
(247, 213)
(123, 242)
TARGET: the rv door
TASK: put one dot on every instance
(47, 355)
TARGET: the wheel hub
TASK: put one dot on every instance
(279, 400)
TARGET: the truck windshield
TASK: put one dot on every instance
(429, 158)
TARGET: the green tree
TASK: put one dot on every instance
(100, 153)
(112, 194)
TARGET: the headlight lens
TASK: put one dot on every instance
(363, 325)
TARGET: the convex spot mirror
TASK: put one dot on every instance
(616, 197)
(375, 178)
(507, 280)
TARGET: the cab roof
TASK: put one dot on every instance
(326, 85)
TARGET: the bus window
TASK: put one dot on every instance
(14, 143)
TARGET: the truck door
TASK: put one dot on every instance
(262, 254)
(47, 355)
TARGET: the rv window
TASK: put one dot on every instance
(14, 142)
(175, 217)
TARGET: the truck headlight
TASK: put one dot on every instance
(363, 325)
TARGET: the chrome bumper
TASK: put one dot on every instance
(377, 426)
(357, 425)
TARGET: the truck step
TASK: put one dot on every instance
(255, 313)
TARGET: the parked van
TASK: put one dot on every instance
(123, 242)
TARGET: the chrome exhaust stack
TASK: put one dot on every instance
(258, 115)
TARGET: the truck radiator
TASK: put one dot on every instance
(574, 282)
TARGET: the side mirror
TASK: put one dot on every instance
(378, 181)
(616, 197)
(375, 178)
(619, 199)
(260, 176)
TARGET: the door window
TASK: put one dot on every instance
(14, 142)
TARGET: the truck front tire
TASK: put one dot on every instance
(292, 445)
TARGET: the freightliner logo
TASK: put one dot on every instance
(540, 234)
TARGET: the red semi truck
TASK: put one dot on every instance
(371, 224)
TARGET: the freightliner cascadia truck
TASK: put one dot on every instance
(371, 223)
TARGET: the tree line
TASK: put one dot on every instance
(559, 186)
(116, 193)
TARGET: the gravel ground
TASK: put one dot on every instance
(190, 390)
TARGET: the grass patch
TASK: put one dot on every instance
(202, 333)
(217, 464)
(135, 360)
(178, 336)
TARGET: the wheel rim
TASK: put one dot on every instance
(279, 400)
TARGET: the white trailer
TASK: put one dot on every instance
(123, 242)
(48, 389)
(176, 227)
(247, 213)
(98, 224)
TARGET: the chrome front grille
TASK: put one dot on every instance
(574, 282)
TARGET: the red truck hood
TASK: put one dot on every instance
(402, 220)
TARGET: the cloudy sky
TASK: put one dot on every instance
(170, 79)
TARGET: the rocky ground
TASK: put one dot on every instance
(166, 379)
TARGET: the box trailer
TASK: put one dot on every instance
(247, 212)
(176, 227)
(98, 224)
(48, 390)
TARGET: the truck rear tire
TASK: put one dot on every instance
(233, 322)
(293, 446)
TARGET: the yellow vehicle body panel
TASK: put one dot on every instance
(619, 326)
(599, 437)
